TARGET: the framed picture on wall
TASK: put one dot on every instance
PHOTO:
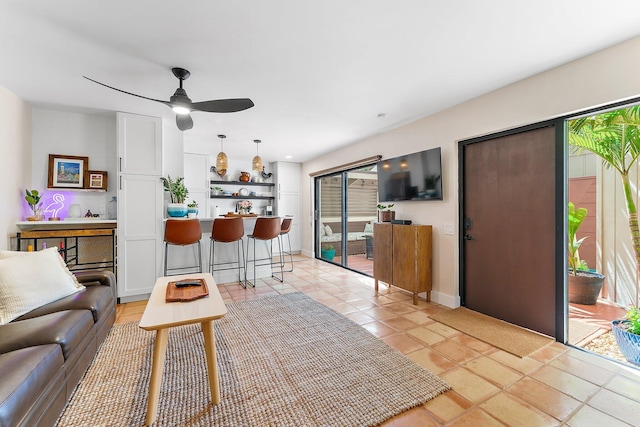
(96, 180)
(67, 171)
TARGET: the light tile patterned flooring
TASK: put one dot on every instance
(557, 385)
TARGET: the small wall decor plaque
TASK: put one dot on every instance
(96, 180)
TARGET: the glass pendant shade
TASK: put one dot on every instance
(256, 163)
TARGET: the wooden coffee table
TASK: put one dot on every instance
(159, 316)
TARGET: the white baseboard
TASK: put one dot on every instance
(447, 300)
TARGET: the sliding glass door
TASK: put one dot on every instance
(345, 211)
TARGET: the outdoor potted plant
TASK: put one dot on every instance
(178, 193)
(192, 209)
(33, 199)
(627, 333)
(328, 252)
(386, 214)
(584, 284)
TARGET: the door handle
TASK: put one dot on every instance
(468, 237)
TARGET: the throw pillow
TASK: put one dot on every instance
(8, 254)
(328, 231)
(31, 281)
(323, 231)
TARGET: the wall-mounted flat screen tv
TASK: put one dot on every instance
(416, 176)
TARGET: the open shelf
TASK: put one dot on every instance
(262, 184)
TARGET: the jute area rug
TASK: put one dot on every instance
(283, 361)
(506, 336)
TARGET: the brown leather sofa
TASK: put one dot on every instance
(44, 353)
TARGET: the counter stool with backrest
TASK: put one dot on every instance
(285, 228)
(182, 232)
(227, 230)
(266, 229)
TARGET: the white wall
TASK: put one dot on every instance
(604, 77)
(15, 173)
(75, 134)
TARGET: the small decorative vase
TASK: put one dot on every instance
(245, 177)
(177, 210)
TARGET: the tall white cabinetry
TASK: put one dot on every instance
(287, 198)
(196, 179)
(140, 204)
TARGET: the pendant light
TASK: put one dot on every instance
(256, 164)
(221, 161)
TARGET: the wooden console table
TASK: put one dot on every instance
(66, 237)
(402, 257)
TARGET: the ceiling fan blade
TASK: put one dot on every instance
(223, 105)
(184, 121)
(129, 93)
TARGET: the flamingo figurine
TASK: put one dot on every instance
(55, 206)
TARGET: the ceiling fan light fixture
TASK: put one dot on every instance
(180, 110)
(256, 163)
(222, 163)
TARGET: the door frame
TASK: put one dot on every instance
(560, 214)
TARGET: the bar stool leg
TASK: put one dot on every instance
(166, 247)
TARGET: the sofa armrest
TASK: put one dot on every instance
(96, 278)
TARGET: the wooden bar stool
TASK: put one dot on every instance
(266, 228)
(182, 232)
(228, 230)
(285, 228)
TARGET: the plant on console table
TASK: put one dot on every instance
(177, 193)
(584, 285)
(627, 333)
(33, 199)
(386, 214)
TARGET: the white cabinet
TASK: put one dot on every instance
(140, 205)
(288, 199)
(138, 140)
(196, 179)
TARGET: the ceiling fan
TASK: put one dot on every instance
(182, 105)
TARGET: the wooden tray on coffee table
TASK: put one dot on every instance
(187, 293)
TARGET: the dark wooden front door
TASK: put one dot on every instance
(508, 211)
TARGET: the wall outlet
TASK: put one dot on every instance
(448, 229)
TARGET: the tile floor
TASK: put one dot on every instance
(557, 385)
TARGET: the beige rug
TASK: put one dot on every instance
(283, 361)
(578, 331)
(506, 336)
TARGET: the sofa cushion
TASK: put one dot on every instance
(33, 280)
(65, 328)
(25, 374)
(97, 299)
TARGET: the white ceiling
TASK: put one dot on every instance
(319, 72)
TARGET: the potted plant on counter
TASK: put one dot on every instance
(386, 214)
(178, 193)
(584, 285)
(33, 199)
(627, 333)
(192, 209)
